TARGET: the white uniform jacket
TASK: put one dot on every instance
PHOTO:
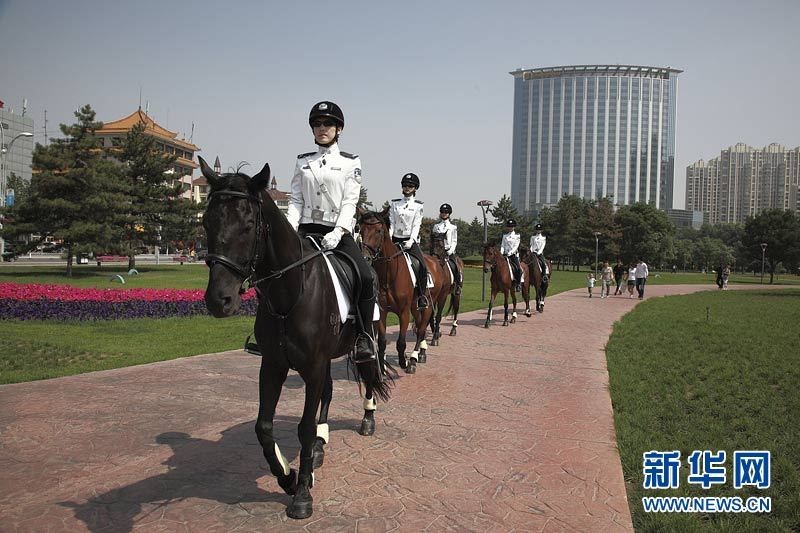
(405, 218)
(325, 188)
(538, 242)
(510, 243)
(450, 232)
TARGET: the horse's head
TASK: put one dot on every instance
(489, 256)
(373, 231)
(236, 231)
(438, 245)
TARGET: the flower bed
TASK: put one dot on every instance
(63, 302)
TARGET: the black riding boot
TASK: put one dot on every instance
(422, 287)
(543, 268)
(365, 343)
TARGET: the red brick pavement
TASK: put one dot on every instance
(508, 428)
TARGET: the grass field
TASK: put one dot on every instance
(682, 381)
(40, 350)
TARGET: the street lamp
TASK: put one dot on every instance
(484, 205)
(763, 255)
(596, 249)
(3, 150)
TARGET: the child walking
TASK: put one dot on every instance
(590, 283)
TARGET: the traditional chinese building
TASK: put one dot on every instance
(113, 133)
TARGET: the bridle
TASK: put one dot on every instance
(376, 254)
(247, 270)
(493, 261)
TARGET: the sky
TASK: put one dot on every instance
(424, 85)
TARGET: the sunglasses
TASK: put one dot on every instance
(323, 124)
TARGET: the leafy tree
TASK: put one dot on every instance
(600, 217)
(503, 210)
(780, 231)
(76, 194)
(151, 193)
(712, 253)
(647, 233)
(569, 238)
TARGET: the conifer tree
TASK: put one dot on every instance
(75, 193)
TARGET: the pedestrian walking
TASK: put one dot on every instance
(619, 273)
(606, 278)
(641, 277)
(590, 283)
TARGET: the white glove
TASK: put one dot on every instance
(332, 238)
(408, 244)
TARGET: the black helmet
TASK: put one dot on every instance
(511, 223)
(446, 208)
(410, 179)
(538, 227)
(326, 109)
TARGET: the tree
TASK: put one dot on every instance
(363, 201)
(780, 231)
(647, 234)
(569, 238)
(152, 193)
(75, 195)
(600, 217)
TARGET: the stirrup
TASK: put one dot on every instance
(251, 347)
(365, 349)
(422, 302)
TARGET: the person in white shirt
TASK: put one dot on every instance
(538, 242)
(641, 277)
(448, 232)
(509, 247)
(631, 279)
(405, 220)
(324, 192)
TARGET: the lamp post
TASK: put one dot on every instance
(484, 205)
(596, 250)
(763, 256)
(3, 150)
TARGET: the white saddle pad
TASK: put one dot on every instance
(511, 269)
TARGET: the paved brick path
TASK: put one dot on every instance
(503, 429)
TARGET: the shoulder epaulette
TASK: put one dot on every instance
(397, 200)
(419, 201)
(348, 155)
(307, 154)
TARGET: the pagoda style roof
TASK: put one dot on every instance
(124, 125)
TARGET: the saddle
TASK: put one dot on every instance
(413, 268)
(344, 269)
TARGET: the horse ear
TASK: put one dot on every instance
(360, 211)
(208, 173)
(261, 180)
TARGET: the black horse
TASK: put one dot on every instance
(298, 322)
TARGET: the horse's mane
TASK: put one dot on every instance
(372, 216)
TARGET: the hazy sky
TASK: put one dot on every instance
(424, 85)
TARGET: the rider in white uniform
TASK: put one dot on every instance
(405, 220)
(538, 242)
(509, 247)
(324, 192)
(449, 232)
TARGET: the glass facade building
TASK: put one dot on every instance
(594, 131)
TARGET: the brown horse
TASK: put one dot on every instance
(438, 251)
(502, 282)
(396, 289)
(537, 279)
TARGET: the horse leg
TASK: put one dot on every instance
(432, 325)
(401, 345)
(514, 308)
(302, 503)
(322, 421)
(540, 301)
(368, 421)
(505, 306)
(489, 314)
(270, 383)
(455, 302)
(420, 351)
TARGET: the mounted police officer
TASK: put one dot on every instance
(538, 242)
(509, 247)
(325, 190)
(448, 232)
(405, 219)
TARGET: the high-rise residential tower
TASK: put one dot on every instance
(594, 131)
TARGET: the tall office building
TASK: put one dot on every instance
(16, 147)
(594, 131)
(743, 181)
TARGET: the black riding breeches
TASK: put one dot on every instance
(454, 265)
(514, 260)
(416, 253)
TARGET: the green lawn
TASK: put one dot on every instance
(39, 350)
(710, 371)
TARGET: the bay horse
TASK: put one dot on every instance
(297, 325)
(396, 289)
(501, 280)
(537, 278)
(438, 251)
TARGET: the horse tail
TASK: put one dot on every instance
(379, 376)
